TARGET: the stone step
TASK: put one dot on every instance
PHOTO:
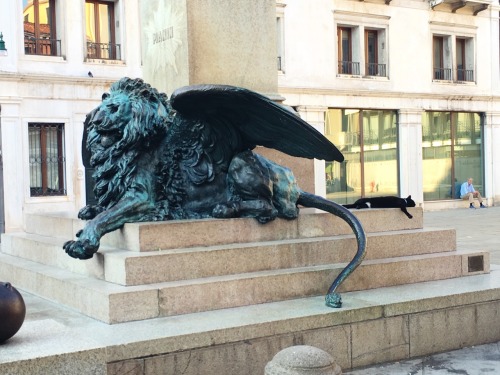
(113, 303)
(153, 236)
(137, 268)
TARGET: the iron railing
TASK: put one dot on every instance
(42, 46)
(348, 67)
(443, 74)
(465, 75)
(105, 51)
(372, 69)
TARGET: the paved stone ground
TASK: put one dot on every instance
(476, 230)
(479, 360)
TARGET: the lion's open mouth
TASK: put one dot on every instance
(107, 128)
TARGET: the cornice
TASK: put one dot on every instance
(51, 79)
(452, 25)
(383, 94)
(349, 13)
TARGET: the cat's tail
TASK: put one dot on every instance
(310, 200)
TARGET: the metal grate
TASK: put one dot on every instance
(476, 263)
(46, 159)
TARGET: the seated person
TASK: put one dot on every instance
(467, 191)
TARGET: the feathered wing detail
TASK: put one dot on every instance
(257, 119)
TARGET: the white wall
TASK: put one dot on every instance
(55, 89)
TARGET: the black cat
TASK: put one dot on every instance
(384, 202)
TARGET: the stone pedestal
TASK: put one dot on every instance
(230, 42)
(219, 41)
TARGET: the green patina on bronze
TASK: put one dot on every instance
(191, 157)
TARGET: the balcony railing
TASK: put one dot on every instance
(348, 67)
(446, 74)
(465, 75)
(42, 46)
(443, 74)
(372, 69)
(105, 51)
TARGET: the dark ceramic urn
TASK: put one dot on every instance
(12, 311)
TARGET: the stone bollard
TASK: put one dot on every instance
(302, 360)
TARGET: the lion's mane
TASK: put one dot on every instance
(116, 164)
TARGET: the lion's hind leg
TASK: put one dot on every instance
(260, 189)
(251, 190)
(285, 190)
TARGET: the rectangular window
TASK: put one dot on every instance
(368, 140)
(345, 52)
(280, 43)
(441, 58)
(100, 21)
(452, 152)
(371, 52)
(40, 28)
(465, 71)
(374, 53)
(46, 159)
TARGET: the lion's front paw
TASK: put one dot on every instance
(89, 212)
(80, 249)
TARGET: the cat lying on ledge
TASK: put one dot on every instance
(384, 202)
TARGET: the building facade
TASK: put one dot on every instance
(60, 57)
(407, 89)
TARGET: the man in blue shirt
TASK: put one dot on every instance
(467, 191)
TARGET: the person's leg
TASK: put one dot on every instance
(479, 197)
(470, 197)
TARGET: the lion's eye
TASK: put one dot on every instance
(105, 96)
(113, 108)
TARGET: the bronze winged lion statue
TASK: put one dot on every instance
(191, 156)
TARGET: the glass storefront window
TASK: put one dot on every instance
(452, 152)
(368, 140)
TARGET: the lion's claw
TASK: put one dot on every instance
(79, 249)
(225, 211)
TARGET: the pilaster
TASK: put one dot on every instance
(315, 115)
(13, 175)
(410, 154)
(492, 155)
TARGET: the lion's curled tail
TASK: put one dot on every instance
(332, 298)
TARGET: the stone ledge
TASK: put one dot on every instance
(255, 333)
(152, 236)
(138, 268)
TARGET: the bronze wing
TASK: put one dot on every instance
(258, 120)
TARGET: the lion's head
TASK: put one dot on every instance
(132, 117)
